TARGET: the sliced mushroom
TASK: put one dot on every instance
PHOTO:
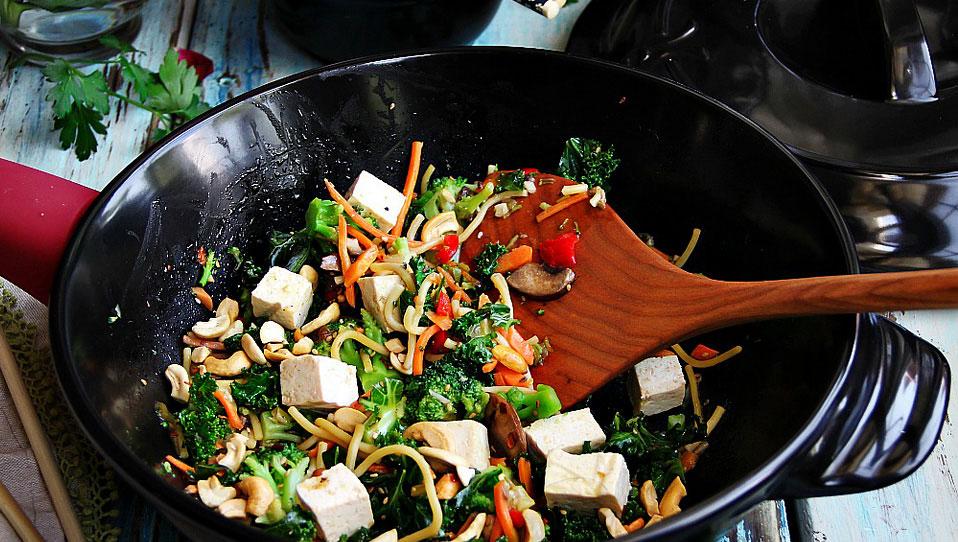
(228, 307)
(534, 280)
(271, 332)
(212, 328)
(259, 494)
(212, 493)
(233, 508)
(235, 452)
(253, 351)
(505, 430)
(231, 366)
(179, 381)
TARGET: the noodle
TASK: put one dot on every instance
(714, 419)
(430, 169)
(434, 505)
(367, 363)
(398, 269)
(308, 443)
(426, 246)
(348, 334)
(694, 392)
(445, 456)
(706, 363)
(391, 309)
(504, 296)
(680, 261)
(353, 449)
(414, 226)
(484, 208)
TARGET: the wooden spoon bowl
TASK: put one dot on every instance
(628, 301)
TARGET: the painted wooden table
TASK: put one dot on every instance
(238, 36)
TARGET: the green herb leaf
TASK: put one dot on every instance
(178, 86)
(587, 161)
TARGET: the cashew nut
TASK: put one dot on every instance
(612, 523)
(234, 329)
(535, 528)
(310, 273)
(303, 346)
(233, 508)
(228, 307)
(200, 354)
(212, 493)
(180, 381)
(347, 418)
(395, 345)
(401, 363)
(235, 452)
(252, 349)
(278, 355)
(327, 315)
(271, 332)
(259, 494)
(212, 328)
(231, 366)
(389, 536)
(474, 530)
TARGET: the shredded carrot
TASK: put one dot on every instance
(635, 525)
(344, 262)
(363, 240)
(360, 266)
(407, 191)
(444, 322)
(179, 464)
(507, 377)
(502, 513)
(232, 416)
(379, 468)
(519, 344)
(421, 343)
(489, 367)
(496, 531)
(451, 283)
(525, 474)
(561, 205)
(359, 220)
(497, 461)
(688, 459)
(514, 259)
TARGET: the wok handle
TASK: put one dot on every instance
(912, 72)
(38, 213)
(886, 421)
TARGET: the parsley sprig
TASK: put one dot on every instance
(81, 98)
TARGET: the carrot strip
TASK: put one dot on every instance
(489, 367)
(497, 461)
(451, 283)
(635, 525)
(232, 416)
(179, 464)
(502, 513)
(561, 205)
(358, 219)
(360, 266)
(514, 259)
(466, 524)
(344, 262)
(519, 344)
(444, 322)
(407, 191)
(507, 377)
(363, 240)
(525, 474)
(421, 343)
(496, 531)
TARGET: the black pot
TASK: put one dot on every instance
(817, 406)
(341, 29)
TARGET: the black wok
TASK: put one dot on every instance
(817, 406)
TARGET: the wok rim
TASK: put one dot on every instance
(740, 496)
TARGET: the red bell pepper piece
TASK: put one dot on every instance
(448, 248)
(702, 352)
(559, 252)
(437, 344)
(443, 304)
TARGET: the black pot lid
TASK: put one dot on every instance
(865, 84)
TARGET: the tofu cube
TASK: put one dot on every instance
(283, 296)
(586, 482)
(382, 201)
(656, 385)
(374, 291)
(466, 438)
(317, 382)
(565, 432)
(338, 501)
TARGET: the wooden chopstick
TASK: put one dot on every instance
(17, 519)
(38, 441)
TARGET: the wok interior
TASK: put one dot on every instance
(252, 168)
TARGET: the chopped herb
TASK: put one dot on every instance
(540, 312)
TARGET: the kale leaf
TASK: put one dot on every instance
(297, 526)
(469, 324)
(261, 389)
(585, 161)
(485, 263)
(202, 425)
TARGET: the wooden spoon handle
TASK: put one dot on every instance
(746, 301)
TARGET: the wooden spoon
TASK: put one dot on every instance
(628, 301)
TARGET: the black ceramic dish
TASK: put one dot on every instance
(817, 406)
(864, 91)
(340, 29)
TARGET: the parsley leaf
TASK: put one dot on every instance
(79, 102)
(178, 86)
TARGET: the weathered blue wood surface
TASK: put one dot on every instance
(238, 36)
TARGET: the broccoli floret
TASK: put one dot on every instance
(485, 263)
(466, 207)
(386, 406)
(444, 392)
(261, 389)
(284, 468)
(541, 404)
(585, 161)
(349, 352)
(371, 327)
(431, 202)
(276, 425)
(471, 323)
(322, 217)
(476, 497)
(202, 425)
(297, 526)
